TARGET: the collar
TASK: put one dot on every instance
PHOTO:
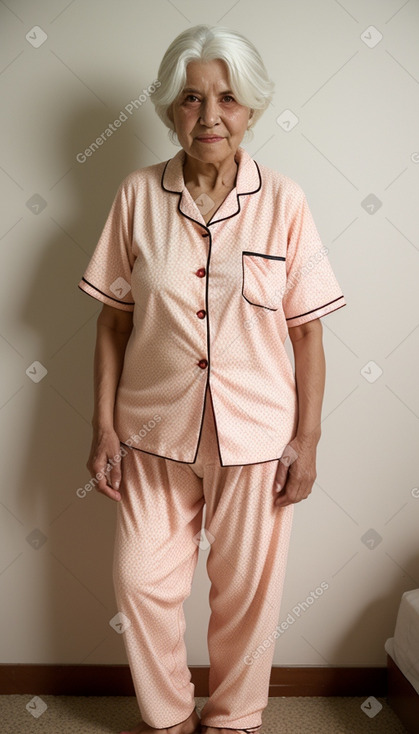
(248, 181)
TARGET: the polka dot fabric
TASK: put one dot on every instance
(157, 541)
(211, 305)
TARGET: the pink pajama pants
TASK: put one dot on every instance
(156, 549)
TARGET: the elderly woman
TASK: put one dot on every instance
(207, 262)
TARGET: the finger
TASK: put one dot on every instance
(290, 494)
(105, 487)
(113, 494)
(115, 476)
(304, 489)
(294, 494)
(283, 504)
(101, 471)
(103, 482)
(280, 476)
(112, 473)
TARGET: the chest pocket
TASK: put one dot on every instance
(263, 279)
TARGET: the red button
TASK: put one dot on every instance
(200, 273)
(201, 314)
(202, 364)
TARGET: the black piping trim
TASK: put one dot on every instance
(261, 254)
(180, 194)
(207, 386)
(170, 191)
(208, 351)
(316, 309)
(258, 305)
(216, 429)
(126, 303)
(180, 461)
(258, 254)
(200, 427)
(191, 219)
(244, 193)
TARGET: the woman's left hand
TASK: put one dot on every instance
(296, 471)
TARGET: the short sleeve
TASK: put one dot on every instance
(108, 273)
(311, 289)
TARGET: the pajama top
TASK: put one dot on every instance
(211, 305)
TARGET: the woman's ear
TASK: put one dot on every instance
(170, 112)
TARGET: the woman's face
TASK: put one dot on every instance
(206, 106)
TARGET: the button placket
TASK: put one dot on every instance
(200, 273)
(201, 314)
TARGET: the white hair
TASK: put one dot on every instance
(248, 77)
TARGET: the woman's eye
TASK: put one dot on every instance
(193, 98)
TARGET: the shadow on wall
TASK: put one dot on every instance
(68, 583)
(382, 612)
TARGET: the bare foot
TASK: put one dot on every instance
(189, 726)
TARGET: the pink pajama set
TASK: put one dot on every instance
(205, 406)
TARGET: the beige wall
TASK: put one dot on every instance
(357, 108)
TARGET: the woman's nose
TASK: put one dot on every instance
(209, 113)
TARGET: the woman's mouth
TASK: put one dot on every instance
(209, 139)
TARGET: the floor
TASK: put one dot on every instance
(27, 714)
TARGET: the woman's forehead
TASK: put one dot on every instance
(204, 85)
(214, 72)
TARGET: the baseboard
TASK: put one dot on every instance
(115, 680)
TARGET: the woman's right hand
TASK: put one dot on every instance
(105, 461)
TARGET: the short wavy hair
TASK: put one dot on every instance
(248, 77)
